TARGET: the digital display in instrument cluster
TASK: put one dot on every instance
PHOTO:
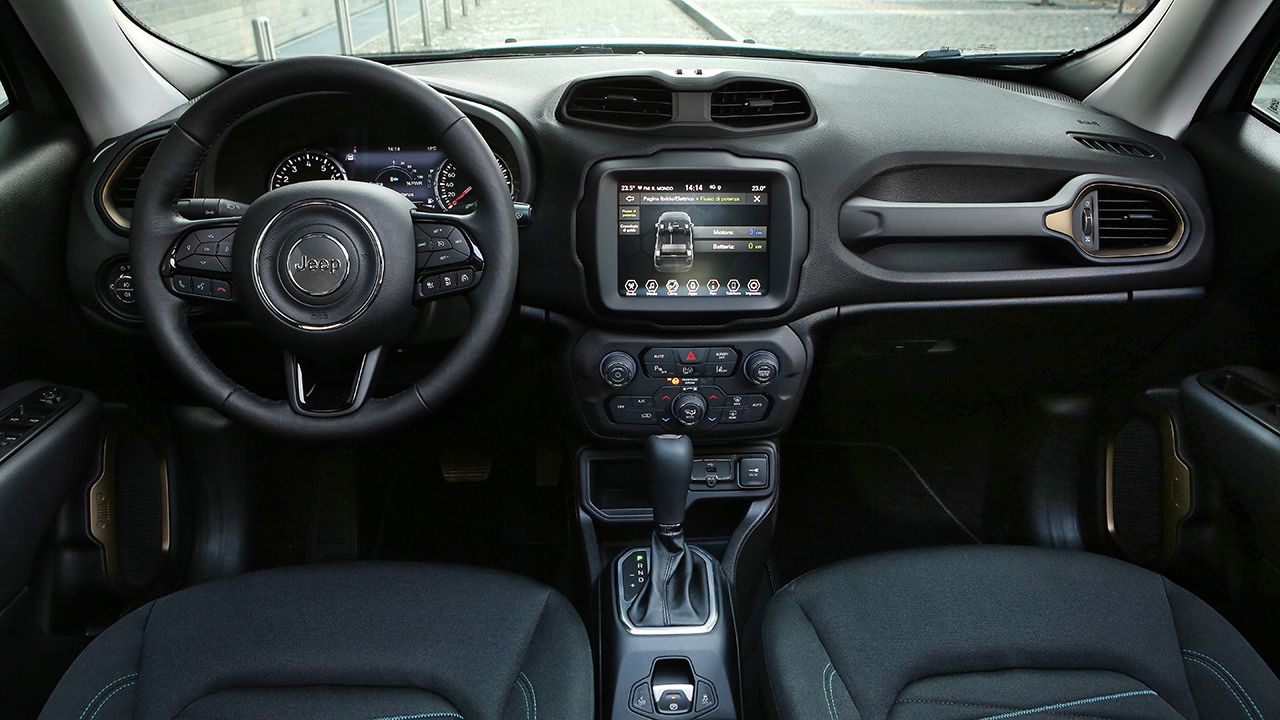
(424, 174)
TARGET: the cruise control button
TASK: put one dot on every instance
(438, 244)
(432, 230)
(445, 257)
(459, 242)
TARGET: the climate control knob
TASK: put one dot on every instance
(617, 369)
(689, 408)
(761, 367)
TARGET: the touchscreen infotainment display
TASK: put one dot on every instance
(692, 238)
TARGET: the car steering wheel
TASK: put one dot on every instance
(326, 269)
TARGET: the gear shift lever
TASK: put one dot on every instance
(676, 594)
(668, 465)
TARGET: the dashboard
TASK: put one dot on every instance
(689, 257)
(296, 140)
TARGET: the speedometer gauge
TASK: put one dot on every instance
(405, 179)
(306, 165)
(455, 190)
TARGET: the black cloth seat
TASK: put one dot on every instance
(1005, 633)
(344, 642)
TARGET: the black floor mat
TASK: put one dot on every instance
(841, 500)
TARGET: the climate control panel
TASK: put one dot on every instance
(743, 385)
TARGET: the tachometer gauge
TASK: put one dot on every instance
(405, 179)
(306, 165)
(455, 191)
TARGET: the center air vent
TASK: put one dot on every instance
(120, 188)
(627, 102)
(757, 103)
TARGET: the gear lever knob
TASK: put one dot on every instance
(668, 463)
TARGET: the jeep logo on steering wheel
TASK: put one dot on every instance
(318, 264)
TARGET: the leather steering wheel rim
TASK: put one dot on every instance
(157, 224)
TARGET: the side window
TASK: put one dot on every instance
(1267, 99)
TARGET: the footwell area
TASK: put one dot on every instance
(841, 500)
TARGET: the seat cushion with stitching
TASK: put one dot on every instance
(340, 642)
(999, 633)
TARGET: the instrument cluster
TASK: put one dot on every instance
(424, 174)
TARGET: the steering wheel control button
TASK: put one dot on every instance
(318, 264)
(689, 408)
(753, 473)
(201, 287)
(618, 369)
(762, 367)
(444, 258)
(220, 290)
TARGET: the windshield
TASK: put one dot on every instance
(245, 31)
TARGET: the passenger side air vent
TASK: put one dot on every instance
(1132, 220)
(1114, 220)
(120, 188)
(757, 103)
(1115, 146)
(626, 102)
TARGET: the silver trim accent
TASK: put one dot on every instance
(713, 601)
(257, 253)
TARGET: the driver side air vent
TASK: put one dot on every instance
(120, 188)
(1134, 220)
(626, 102)
(757, 103)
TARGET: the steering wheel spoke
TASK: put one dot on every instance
(447, 259)
(330, 387)
(198, 264)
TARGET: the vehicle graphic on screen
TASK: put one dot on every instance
(673, 247)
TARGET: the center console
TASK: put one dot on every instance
(683, 241)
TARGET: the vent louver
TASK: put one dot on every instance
(1128, 148)
(120, 189)
(626, 102)
(756, 103)
(1132, 220)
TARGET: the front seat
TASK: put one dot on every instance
(1000, 633)
(344, 642)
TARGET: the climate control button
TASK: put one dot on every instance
(761, 367)
(689, 408)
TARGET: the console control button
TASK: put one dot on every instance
(714, 395)
(688, 371)
(691, 356)
(641, 701)
(722, 355)
(617, 369)
(674, 701)
(753, 472)
(663, 356)
(704, 698)
(718, 369)
(761, 367)
(661, 370)
(689, 408)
